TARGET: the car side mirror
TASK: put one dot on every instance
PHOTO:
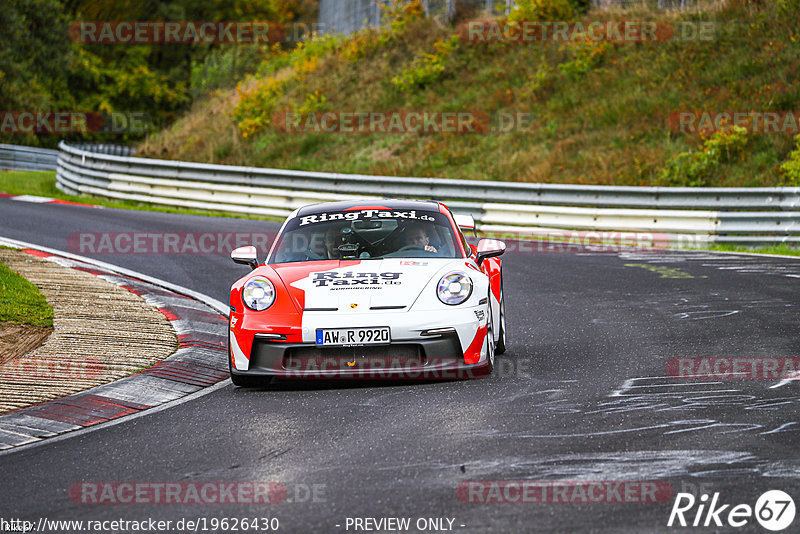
(489, 248)
(246, 256)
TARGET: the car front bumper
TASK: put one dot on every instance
(437, 357)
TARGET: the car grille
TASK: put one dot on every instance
(367, 357)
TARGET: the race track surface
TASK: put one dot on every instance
(586, 392)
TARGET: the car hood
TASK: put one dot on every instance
(361, 285)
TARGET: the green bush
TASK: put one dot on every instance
(549, 10)
(314, 102)
(790, 170)
(696, 168)
(428, 67)
(225, 66)
(587, 56)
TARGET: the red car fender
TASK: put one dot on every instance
(472, 354)
(493, 268)
(282, 317)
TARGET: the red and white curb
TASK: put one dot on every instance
(199, 362)
(44, 200)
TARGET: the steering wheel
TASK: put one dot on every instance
(312, 256)
(411, 247)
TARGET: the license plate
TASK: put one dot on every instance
(353, 337)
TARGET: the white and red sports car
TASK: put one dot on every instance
(377, 289)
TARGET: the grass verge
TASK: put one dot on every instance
(21, 302)
(781, 250)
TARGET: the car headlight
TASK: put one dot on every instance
(454, 288)
(258, 293)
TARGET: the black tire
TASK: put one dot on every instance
(490, 346)
(249, 381)
(501, 340)
(243, 381)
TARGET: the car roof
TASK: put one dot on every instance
(390, 203)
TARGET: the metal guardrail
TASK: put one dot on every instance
(105, 148)
(686, 215)
(27, 158)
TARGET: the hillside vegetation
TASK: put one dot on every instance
(597, 111)
(46, 67)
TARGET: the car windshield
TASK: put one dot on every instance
(366, 234)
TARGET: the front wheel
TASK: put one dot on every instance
(245, 381)
(501, 340)
(248, 381)
(490, 346)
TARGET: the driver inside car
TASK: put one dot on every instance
(416, 235)
(317, 246)
(332, 242)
